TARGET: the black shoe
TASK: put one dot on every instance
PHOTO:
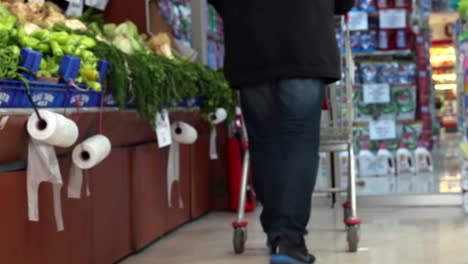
(290, 253)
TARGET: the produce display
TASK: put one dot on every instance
(141, 70)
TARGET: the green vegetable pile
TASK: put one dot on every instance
(55, 44)
(154, 82)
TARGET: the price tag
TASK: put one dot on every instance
(392, 18)
(382, 129)
(358, 20)
(77, 2)
(377, 93)
(75, 8)
(373, 167)
(163, 129)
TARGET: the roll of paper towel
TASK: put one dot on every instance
(54, 129)
(183, 133)
(219, 116)
(91, 152)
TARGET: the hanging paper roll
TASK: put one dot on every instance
(219, 116)
(50, 130)
(216, 118)
(91, 152)
(86, 156)
(53, 129)
(182, 133)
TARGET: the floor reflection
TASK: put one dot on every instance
(446, 177)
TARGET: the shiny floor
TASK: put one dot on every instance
(389, 236)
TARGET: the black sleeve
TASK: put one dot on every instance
(343, 6)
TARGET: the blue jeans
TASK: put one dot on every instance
(283, 124)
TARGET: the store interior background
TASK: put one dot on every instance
(443, 125)
(446, 104)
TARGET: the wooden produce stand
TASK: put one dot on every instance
(128, 207)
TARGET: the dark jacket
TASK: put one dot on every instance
(278, 39)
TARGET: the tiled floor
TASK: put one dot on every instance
(389, 236)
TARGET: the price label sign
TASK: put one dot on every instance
(382, 129)
(358, 20)
(163, 129)
(376, 93)
(392, 18)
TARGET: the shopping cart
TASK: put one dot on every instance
(335, 138)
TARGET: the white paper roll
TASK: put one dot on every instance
(91, 152)
(213, 150)
(183, 133)
(219, 116)
(54, 129)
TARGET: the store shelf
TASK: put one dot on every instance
(392, 85)
(28, 111)
(444, 66)
(387, 53)
(401, 122)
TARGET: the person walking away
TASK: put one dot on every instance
(281, 55)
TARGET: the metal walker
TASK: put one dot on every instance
(333, 139)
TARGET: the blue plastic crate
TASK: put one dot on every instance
(103, 66)
(8, 92)
(44, 95)
(69, 68)
(84, 99)
(109, 100)
(31, 60)
(195, 102)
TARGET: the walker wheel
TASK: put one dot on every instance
(240, 237)
(353, 237)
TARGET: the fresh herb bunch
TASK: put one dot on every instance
(117, 74)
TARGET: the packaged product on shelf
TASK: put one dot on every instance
(406, 73)
(355, 41)
(366, 162)
(368, 72)
(385, 4)
(364, 41)
(405, 100)
(368, 41)
(365, 5)
(410, 135)
(423, 159)
(388, 160)
(361, 136)
(387, 111)
(404, 160)
(387, 72)
(387, 39)
(363, 111)
(404, 38)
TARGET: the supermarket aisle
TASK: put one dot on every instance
(389, 236)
